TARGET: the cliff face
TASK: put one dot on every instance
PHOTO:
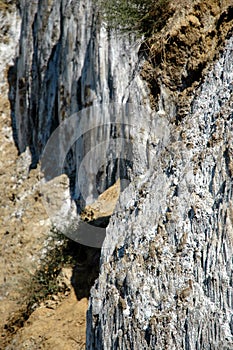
(73, 72)
(67, 62)
(166, 273)
(166, 265)
(166, 270)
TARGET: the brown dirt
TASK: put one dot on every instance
(52, 326)
(180, 54)
(59, 320)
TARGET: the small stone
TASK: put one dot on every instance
(194, 21)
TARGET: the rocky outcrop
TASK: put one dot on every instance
(181, 53)
(68, 62)
(72, 72)
(26, 237)
(166, 271)
(105, 204)
(166, 265)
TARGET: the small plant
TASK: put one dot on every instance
(142, 16)
(44, 283)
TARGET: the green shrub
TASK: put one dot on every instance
(142, 16)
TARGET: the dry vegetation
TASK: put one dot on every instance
(179, 55)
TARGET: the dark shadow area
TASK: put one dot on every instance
(12, 81)
(84, 262)
(226, 16)
(86, 271)
(100, 222)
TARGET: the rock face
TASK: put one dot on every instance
(166, 269)
(72, 72)
(166, 266)
(166, 273)
(67, 63)
(105, 205)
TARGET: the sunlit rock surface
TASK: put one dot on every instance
(166, 273)
(166, 268)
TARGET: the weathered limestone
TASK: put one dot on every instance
(166, 264)
(166, 273)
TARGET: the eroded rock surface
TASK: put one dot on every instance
(166, 273)
(166, 268)
(105, 204)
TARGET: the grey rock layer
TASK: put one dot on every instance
(73, 73)
(166, 265)
(166, 272)
(70, 65)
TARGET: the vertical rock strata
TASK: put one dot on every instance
(68, 62)
(166, 264)
(166, 273)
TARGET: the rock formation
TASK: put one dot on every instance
(105, 204)
(166, 266)
(98, 105)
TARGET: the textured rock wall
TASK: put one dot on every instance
(166, 273)
(166, 269)
(67, 62)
